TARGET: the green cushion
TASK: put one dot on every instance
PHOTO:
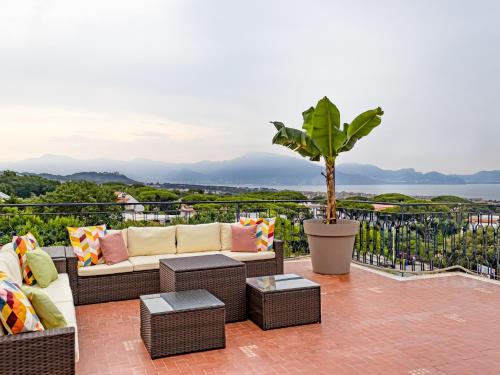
(42, 267)
(47, 311)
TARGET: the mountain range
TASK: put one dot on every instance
(99, 177)
(259, 169)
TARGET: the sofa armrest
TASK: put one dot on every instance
(58, 255)
(72, 271)
(279, 255)
(46, 352)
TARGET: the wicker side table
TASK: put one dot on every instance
(283, 301)
(222, 276)
(182, 322)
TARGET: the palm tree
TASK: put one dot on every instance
(323, 138)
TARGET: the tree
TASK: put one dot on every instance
(323, 138)
(6, 189)
(21, 186)
(80, 191)
(199, 197)
(450, 199)
(393, 198)
(156, 195)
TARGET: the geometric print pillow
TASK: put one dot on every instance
(23, 244)
(265, 231)
(86, 246)
(16, 312)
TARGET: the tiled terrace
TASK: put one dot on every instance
(371, 325)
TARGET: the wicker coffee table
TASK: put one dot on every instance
(283, 300)
(222, 276)
(182, 322)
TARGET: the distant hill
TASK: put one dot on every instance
(400, 176)
(98, 177)
(483, 177)
(258, 169)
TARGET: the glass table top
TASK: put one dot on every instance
(164, 303)
(276, 283)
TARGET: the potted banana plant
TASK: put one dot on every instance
(331, 240)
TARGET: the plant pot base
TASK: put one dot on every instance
(331, 245)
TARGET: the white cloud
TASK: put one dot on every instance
(204, 78)
(90, 134)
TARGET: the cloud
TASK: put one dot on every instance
(201, 80)
(85, 134)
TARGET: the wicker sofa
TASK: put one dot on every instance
(52, 351)
(146, 246)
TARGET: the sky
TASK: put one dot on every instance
(200, 80)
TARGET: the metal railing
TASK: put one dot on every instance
(422, 239)
(407, 237)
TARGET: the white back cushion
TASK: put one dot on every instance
(226, 236)
(151, 240)
(200, 237)
(9, 263)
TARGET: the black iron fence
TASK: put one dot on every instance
(429, 240)
(397, 236)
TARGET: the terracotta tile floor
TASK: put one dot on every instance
(371, 325)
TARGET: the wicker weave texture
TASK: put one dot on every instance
(261, 268)
(279, 252)
(182, 332)
(116, 287)
(60, 264)
(284, 309)
(72, 270)
(50, 352)
(227, 284)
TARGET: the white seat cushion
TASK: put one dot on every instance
(200, 237)
(59, 290)
(9, 264)
(68, 311)
(248, 256)
(106, 269)
(148, 262)
(151, 240)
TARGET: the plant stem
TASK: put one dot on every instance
(331, 209)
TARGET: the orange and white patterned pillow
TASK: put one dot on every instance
(23, 244)
(16, 311)
(86, 246)
(265, 231)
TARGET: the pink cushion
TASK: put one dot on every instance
(244, 238)
(113, 248)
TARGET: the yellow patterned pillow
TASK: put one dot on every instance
(265, 231)
(86, 246)
(23, 244)
(16, 312)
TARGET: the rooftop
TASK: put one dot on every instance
(371, 324)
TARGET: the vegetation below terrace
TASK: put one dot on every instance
(35, 189)
(430, 229)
